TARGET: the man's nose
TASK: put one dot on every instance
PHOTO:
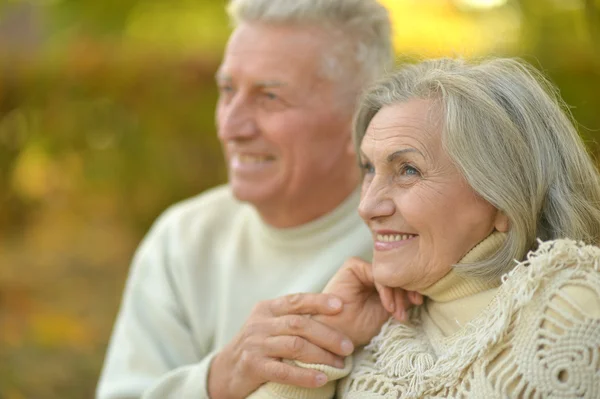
(236, 120)
(376, 202)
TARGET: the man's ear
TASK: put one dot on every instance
(501, 223)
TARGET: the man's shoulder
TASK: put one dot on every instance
(212, 202)
(216, 198)
(216, 207)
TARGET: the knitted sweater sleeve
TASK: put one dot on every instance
(280, 391)
(152, 353)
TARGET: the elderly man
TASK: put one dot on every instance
(207, 310)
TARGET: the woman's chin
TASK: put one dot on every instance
(386, 274)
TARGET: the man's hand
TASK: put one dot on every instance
(279, 329)
(366, 305)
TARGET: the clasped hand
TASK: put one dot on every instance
(312, 328)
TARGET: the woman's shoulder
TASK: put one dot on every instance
(558, 267)
(553, 340)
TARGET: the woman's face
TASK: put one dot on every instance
(423, 214)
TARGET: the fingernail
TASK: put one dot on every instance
(321, 379)
(401, 315)
(392, 307)
(347, 347)
(335, 303)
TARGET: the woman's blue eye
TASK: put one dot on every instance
(410, 171)
(270, 96)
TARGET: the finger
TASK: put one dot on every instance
(402, 304)
(279, 372)
(386, 297)
(415, 298)
(317, 333)
(298, 348)
(326, 304)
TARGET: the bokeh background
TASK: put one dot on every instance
(106, 118)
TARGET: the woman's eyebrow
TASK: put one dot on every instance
(392, 157)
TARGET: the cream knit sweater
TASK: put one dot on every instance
(536, 335)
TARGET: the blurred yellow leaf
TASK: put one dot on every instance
(56, 329)
(32, 173)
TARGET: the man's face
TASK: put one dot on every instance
(283, 132)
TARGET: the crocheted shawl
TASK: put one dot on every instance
(532, 340)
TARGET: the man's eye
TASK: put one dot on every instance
(270, 96)
(368, 168)
(225, 89)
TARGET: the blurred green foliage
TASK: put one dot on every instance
(106, 118)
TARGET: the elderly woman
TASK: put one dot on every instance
(467, 168)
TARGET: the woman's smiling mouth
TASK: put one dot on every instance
(386, 240)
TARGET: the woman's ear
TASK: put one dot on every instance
(501, 223)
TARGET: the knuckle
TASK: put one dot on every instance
(282, 373)
(354, 261)
(296, 345)
(296, 323)
(277, 303)
(293, 299)
(251, 342)
(244, 358)
(251, 329)
(258, 307)
(333, 336)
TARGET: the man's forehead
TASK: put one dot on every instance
(274, 69)
(222, 76)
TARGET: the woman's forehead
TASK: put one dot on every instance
(408, 123)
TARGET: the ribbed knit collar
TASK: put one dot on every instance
(320, 230)
(454, 286)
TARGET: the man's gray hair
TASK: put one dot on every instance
(360, 31)
(512, 137)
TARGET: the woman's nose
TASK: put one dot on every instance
(375, 201)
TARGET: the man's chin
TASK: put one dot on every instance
(251, 195)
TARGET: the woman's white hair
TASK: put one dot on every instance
(360, 32)
(508, 131)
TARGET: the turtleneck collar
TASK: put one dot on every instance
(454, 286)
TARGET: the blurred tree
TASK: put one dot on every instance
(106, 118)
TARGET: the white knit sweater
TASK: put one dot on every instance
(194, 280)
(537, 335)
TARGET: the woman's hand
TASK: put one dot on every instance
(366, 305)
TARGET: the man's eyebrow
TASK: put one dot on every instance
(392, 157)
(261, 84)
(269, 83)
